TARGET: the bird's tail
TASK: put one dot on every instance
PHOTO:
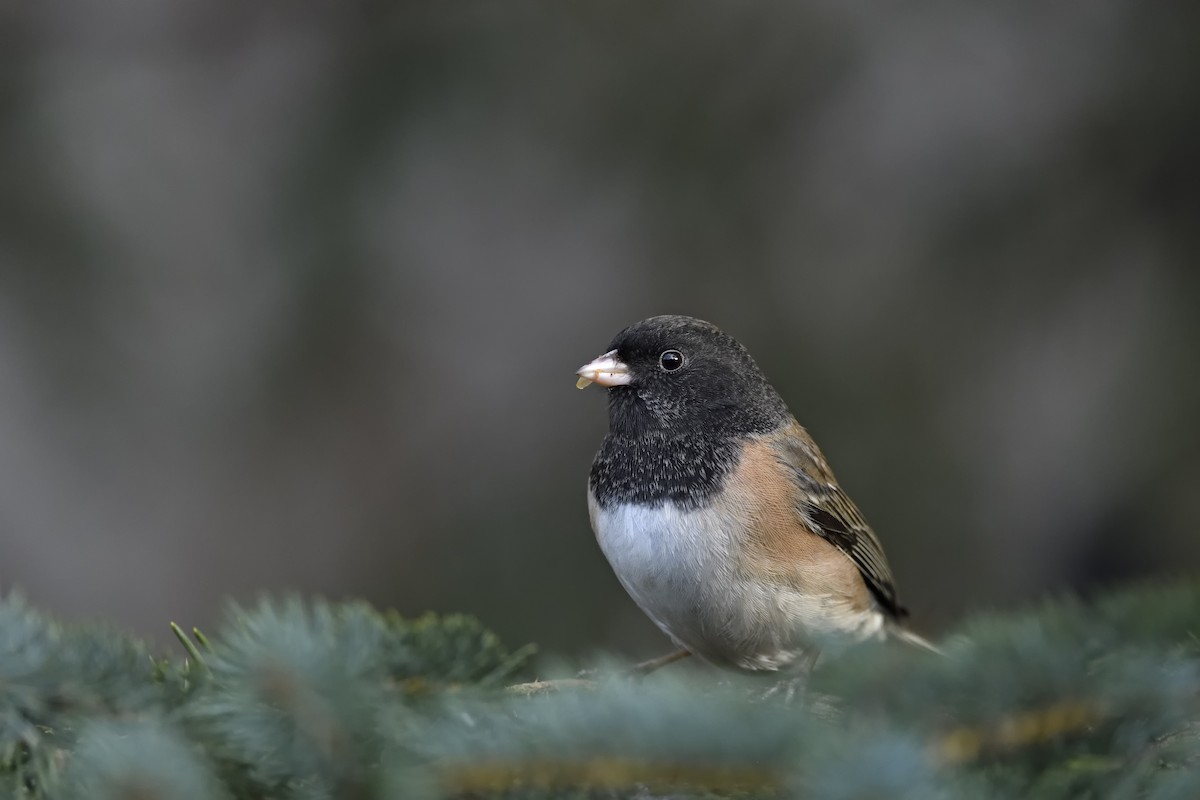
(905, 635)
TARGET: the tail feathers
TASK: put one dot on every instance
(905, 635)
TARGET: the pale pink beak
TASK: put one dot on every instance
(607, 370)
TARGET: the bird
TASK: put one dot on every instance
(718, 513)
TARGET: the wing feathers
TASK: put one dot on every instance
(835, 517)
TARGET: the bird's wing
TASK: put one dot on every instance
(832, 515)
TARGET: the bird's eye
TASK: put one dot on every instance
(671, 360)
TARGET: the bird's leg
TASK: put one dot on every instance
(654, 664)
(643, 668)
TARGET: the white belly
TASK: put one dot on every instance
(681, 567)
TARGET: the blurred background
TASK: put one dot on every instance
(292, 293)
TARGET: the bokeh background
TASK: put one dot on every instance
(292, 293)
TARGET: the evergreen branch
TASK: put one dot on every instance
(188, 645)
(533, 688)
(201, 639)
(606, 774)
(304, 699)
(1026, 729)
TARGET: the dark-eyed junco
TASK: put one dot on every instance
(719, 514)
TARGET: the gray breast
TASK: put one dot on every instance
(678, 567)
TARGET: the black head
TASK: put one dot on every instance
(681, 375)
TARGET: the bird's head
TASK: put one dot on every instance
(677, 374)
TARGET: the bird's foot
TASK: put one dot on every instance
(794, 687)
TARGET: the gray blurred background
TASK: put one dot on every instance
(292, 293)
